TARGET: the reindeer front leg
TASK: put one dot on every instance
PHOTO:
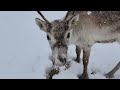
(78, 52)
(86, 55)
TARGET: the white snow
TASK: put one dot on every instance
(25, 52)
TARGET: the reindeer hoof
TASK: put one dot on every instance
(84, 76)
(109, 75)
(77, 60)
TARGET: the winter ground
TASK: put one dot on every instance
(24, 50)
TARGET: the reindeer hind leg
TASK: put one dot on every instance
(113, 71)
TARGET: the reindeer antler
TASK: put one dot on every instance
(43, 16)
(71, 13)
(67, 15)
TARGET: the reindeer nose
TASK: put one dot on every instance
(59, 61)
(63, 60)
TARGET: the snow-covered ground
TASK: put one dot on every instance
(25, 52)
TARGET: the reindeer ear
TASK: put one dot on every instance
(73, 21)
(41, 24)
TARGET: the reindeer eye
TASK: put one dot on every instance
(48, 38)
(68, 36)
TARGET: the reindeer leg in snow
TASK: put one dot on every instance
(113, 71)
(86, 55)
(78, 52)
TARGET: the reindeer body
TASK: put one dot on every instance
(99, 26)
(83, 29)
(95, 27)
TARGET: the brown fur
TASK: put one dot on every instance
(85, 30)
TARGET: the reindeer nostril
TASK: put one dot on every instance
(64, 60)
(53, 61)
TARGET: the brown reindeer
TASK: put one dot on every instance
(83, 29)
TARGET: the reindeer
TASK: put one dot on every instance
(83, 29)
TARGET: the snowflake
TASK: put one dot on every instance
(104, 22)
(89, 12)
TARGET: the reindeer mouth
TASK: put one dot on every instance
(54, 70)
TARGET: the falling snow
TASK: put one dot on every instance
(25, 52)
(89, 12)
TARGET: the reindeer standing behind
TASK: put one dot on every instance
(83, 29)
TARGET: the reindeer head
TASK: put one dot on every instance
(58, 36)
